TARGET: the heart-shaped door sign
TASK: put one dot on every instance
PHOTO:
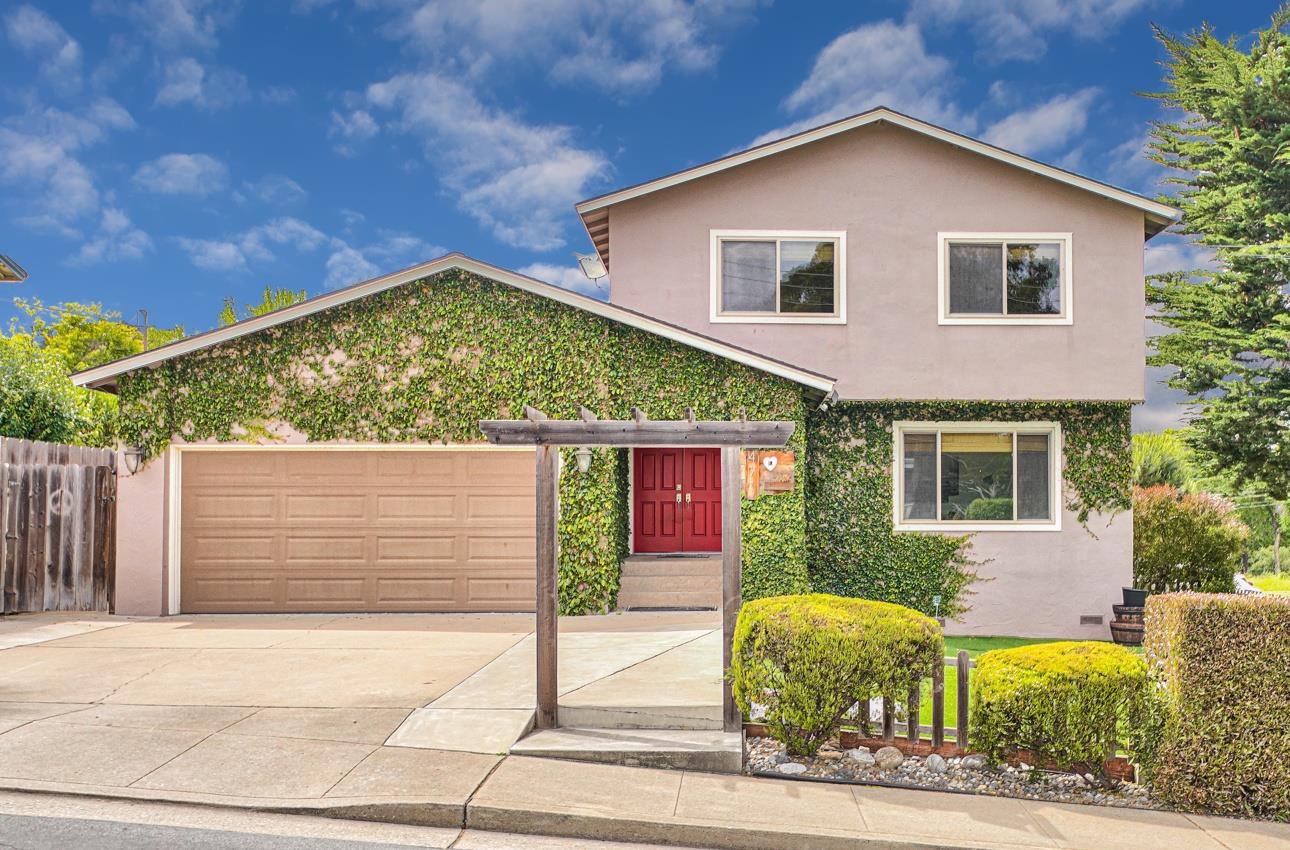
(770, 462)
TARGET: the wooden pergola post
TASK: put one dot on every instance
(547, 435)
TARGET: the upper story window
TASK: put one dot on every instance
(977, 476)
(1005, 278)
(778, 276)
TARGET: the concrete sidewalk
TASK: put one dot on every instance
(589, 801)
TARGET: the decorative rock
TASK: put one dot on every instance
(792, 768)
(779, 758)
(889, 758)
(975, 761)
(757, 712)
(861, 756)
(829, 755)
(935, 763)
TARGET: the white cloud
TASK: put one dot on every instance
(34, 33)
(1015, 29)
(235, 252)
(1169, 253)
(276, 189)
(174, 24)
(213, 254)
(619, 46)
(185, 80)
(350, 130)
(517, 179)
(568, 277)
(1048, 126)
(347, 265)
(182, 174)
(39, 157)
(878, 64)
(116, 239)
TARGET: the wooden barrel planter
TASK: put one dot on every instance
(1129, 613)
(1127, 634)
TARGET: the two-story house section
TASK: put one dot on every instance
(983, 316)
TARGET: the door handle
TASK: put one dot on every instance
(687, 498)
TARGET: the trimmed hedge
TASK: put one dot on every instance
(809, 658)
(1185, 541)
(1222, 668)
(989, 509)
(1071, 702)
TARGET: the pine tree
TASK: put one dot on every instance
(1230, 157)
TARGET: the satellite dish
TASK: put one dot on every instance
(592, 266)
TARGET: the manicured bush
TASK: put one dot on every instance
(1161, 459)
(1000, 508)
(1184, 541)
(809, 658)
(1221, 664)
(1070, 702)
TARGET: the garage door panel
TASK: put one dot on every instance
(357, 530)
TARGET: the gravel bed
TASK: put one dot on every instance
(969, 774)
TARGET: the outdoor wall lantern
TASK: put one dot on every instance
(133, 457)
(584, 459)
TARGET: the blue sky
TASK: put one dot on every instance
(163, 154)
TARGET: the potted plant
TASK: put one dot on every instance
(1134, 597)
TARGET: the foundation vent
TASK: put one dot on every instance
(1090, 619)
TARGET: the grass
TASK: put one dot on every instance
(1271, 583)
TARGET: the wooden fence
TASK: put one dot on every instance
(911, 734)
(58, 518)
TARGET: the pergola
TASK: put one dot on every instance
(548, 435)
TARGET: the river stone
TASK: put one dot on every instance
(976, 761)
(792, 768)
(861, 756)
(889, 758)
(935, 763)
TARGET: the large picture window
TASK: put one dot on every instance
(970, 475)
(786, 276)
(996, 278)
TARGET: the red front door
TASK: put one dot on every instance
(676, 500)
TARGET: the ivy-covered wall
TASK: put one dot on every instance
(852, 547)
(426, 361)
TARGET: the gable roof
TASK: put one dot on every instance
(104, 376)
(595, 215)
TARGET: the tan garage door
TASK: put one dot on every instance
(360, 530)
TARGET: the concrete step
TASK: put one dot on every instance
(688, 599)
(674, 584)
(639, 565)
(674, 717)
(711, 751)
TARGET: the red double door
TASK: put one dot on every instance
(676, 500)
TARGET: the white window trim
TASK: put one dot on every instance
(943, 239)
(840, 274)
(1052, 429)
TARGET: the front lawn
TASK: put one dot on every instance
(1271, 583)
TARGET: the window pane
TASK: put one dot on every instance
(1034, 279)
(748, 277)
(976, 476)
(806, 277)
(920, 477)
(976, 278)
(1033, 491)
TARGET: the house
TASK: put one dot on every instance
(956, 329)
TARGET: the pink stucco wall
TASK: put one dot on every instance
(892, 191)
(141, 539)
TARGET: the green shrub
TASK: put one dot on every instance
(987, 509)
(1071, 702)
(1221, 664)
(1161, 459)
(1184, 541)
(809, 658)
(1262, 562)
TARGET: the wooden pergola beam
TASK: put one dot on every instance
(547, 435)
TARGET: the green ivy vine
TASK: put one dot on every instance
(426, 361)
(852, 547)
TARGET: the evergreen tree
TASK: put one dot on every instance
(274, 299)
(1230, 157)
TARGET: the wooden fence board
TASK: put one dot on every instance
(58, 526)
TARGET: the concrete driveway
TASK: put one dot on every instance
(305, 706)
